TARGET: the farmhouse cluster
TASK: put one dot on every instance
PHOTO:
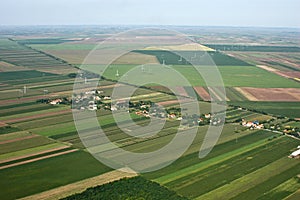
(252, 124)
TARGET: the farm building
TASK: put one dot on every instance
(295, 154)
(55, 102)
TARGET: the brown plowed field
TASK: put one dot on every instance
(36, 116)
(202, 93)
(271, 94)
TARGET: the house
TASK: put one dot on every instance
(107, 98)
(207, 115)
(55, 102)
(295, 153)
(249, 124)
(91, 92)
(171, 116)
(113, 108)
(97, 98)
(92, 107)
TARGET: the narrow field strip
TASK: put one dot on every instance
(289, 186)
(34, 154)
(27, 151)
(202, 93)
(248, 181)
(18, 139)
(25, 118)
(80, 186)
(36, 159)
(295, 196)
(213, 161)
(21, 100)
(246, 94)
(14, 135)
(171, 102)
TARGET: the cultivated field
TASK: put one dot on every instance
(42, 156)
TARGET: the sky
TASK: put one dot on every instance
(260, 13)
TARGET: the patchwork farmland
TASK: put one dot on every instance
(42, 156)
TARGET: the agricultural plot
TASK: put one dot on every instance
(271, 94)
(7, 67)
(240, 76)
(233, 76)
(238, 115)
(236, 164)
(14, 53)
(281, 61)
(288, 109)
(254, 48)
(41, 150)
(45, 174)
(22, 75)
(171, 58)
(80, 186)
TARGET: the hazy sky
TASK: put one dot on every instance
(273, 13)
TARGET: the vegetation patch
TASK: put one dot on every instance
(128, 188)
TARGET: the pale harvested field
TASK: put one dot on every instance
(136, 58)
(181, 91)
(270, 94)
(270, 69)
(72, 56)
(286, 74)
(182, 47)
(202, 93)
(80, 186)
(171, 102)
(7, 67)
(246, 94)
(58, 69)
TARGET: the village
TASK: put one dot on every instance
(96, 100)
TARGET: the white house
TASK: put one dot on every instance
(295, 153)
(92, 107)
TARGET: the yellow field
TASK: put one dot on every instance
(182, 47)
(136, 58)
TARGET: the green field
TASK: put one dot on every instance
(171, 58)
(289, 109)
(230, 162)
(43, 175)
(4, 76)
(40, 148)
(233, 76)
